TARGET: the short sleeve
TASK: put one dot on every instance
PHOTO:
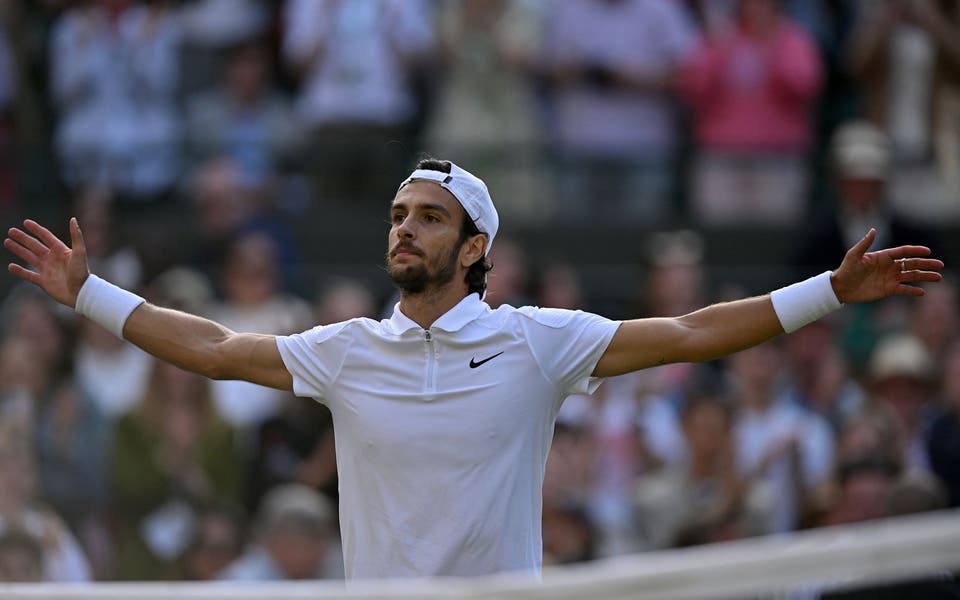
(568, 345)
(314, 358)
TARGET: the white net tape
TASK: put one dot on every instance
(872, 553)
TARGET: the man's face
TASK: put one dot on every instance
(861, 194)
(424, 246)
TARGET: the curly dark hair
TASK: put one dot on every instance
(476, 277)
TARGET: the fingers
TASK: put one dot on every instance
(907, 252)
(920, 276)
(22, 252)
(28, 241)
(52, 241)
(864, 244)
(921, 264)
(27, 274)
(76, 236)
(908, 290)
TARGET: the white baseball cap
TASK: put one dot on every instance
(861, 150)
(470, 191)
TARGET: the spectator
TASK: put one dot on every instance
(30, 315)
(35, 347)
(936, 320)
(818, 374)
(907, 58)
(356, 60)
(909, 493)
(866, 435)
(227, 207)
(114, 82)
(611, 68)
(210, 29)
(510, 283)
(63, 559)
(72, 439)
(182, 288)
(752, 91)
(785, 446)
(864, 487)
(675, 283)
(295, 446)
(112, 374)
(22, 380)
(169, 456)
(612, 452)
(568, 534)
(217, 541)
(704, 498)
(293, 541)
(244, 119)
(486, 111)
(344, 299)
(254, 302)
(676, 279)
(860, 157)
(560, 287)
(902, 373)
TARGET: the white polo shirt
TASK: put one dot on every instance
(442, 435)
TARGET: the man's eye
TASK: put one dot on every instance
(432, 219)
(397, 218)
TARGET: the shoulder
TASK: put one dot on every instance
(549, 317)
(342, 330)
(555, 318)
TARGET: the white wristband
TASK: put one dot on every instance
(805, 302)
(106, 304)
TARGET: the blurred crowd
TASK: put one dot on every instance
(244, 117)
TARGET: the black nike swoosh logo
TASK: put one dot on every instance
(475, 363)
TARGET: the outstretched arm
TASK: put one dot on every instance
(727, 328)
(188, 341)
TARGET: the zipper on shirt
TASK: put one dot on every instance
(433, 356)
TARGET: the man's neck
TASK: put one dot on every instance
(426, 307)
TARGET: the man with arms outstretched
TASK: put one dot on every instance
(444, 412)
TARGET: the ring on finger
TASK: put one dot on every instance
(903, 265)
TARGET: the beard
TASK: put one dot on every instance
(416, 279)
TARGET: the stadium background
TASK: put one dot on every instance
(235, 158)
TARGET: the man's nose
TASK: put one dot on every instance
(405, 229)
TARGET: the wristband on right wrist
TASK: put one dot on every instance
(804, 302)
(106, 304)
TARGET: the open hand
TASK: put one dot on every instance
(58, 269)
(865, 276)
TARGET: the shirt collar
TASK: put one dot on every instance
(451, 321)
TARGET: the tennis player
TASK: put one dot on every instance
(444, 412)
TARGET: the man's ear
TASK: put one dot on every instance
(473, 250)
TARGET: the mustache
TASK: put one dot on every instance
(406, 246)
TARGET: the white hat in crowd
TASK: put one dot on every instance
(861, 150)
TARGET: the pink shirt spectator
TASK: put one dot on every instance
(753, 94)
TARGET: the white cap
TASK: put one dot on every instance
(294, 503)
(472, 194)
(861, 150)
(901, 355)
